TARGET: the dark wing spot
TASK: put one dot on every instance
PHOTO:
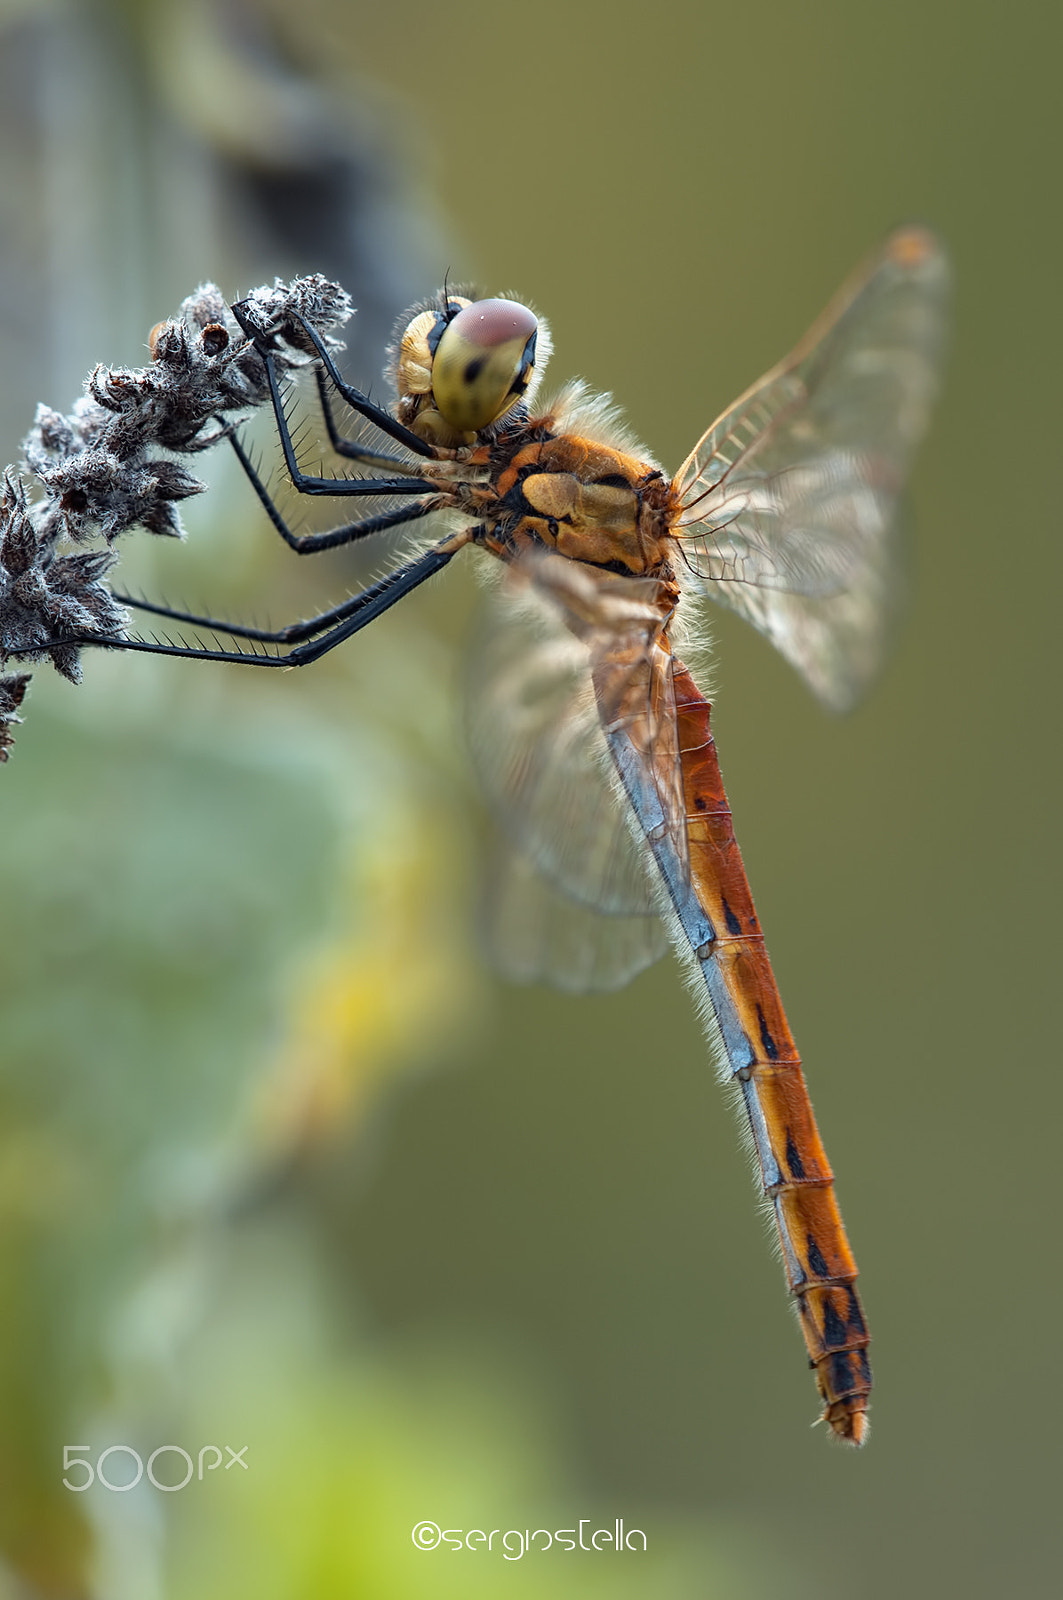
(815, 1258)
(793, 1157)
(771, 1049)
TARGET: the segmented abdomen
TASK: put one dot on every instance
(715, 908)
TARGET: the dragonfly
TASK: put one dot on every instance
(590, 733)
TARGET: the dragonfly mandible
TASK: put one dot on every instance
(590, 732)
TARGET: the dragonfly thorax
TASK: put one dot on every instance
(585, 500)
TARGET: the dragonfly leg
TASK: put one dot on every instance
(294, 633)
(304, 483)
(359, 528)
(353, 449)
(354, 397)
(311, 639)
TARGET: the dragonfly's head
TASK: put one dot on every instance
(463, 365)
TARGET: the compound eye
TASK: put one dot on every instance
(483, 363)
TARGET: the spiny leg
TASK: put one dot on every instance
(293, 633)
(317, 636)
(303, 544)
(353, 449)
(354, 397)
(360, 528)
(303, 483)
(321, 634)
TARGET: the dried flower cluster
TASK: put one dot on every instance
(12, 688)
(108, 466)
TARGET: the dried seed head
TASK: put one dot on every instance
(214, 339)
(107, 466)
(12, 690)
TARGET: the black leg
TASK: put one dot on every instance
(354, 397)
(332, 486)
(321, 634)
(294, 633)
(308, 543)
(380, 460)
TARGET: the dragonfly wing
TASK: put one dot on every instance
(538, 750)
(788, 504)
(536, 934)
(568, 649)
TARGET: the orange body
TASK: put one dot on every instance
(585, 500)
(783, 512)
(795, 1173)
(612, 517)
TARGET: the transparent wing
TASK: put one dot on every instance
(789, 501)
(536, 934)
(568, 647)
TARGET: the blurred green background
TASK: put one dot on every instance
(281, 1164)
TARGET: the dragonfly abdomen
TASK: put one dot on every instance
(762, 1060)
(714, 907)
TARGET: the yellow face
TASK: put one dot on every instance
(461, 370)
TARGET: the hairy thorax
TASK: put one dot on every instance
(563, 492)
